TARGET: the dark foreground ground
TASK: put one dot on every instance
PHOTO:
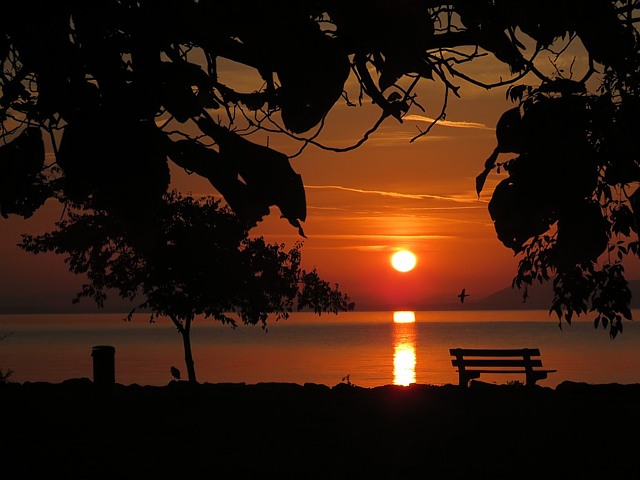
(74, 430)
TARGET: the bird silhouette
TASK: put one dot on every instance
(463, 295)
(175, 373)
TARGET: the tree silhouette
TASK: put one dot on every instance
(120, 88)
(202, 263)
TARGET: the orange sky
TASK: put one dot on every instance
(389, 194)
(362, 206)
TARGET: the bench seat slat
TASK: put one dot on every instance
(482, 370)
(496, 363)
(485, 352)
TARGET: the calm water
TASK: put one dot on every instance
(369, 347)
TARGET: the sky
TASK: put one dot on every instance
(362, 206)
(391, 194)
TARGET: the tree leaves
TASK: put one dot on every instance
(554, 175)
(518, 215)
(311, 84)
(582, 235)
(559, 207)
(23, 188)
(121, 168)
(267, 174)
(489, 26)
(176, 82)
(204, 263)
(511, 139)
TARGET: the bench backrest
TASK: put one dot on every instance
(498, 358)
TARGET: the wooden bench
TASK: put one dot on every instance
(472, 362)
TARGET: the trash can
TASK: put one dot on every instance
(104, 370)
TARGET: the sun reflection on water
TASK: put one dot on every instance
(404, 317)
(404, 344)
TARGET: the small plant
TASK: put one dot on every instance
(515, 383)
(4, 375)
(347, 380)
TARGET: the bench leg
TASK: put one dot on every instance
(465, 377)
(533, 377)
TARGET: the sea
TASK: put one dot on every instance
(366, 349)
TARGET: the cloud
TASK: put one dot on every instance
(447, 123)
(378, 236)
(413, 196)
(360, 242)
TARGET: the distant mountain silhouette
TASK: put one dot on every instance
(539, 298)
(59, 302)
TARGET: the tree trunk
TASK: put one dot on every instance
(185, 331)
(188, 357)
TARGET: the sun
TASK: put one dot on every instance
(403, 261)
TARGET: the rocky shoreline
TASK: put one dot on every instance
(277, 430)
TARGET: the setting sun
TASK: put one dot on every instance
(403, 261)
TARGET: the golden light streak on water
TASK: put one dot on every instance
(404, 365)
(404, 348)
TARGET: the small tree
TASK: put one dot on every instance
(196, 259)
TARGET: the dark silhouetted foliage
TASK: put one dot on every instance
(123, 88)
(198, 261)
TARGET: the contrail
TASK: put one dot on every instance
(414, 196)
(447, 123)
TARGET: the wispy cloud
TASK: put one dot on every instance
(361, 242)
(447, 123)
(378, 236)
(384, 193)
